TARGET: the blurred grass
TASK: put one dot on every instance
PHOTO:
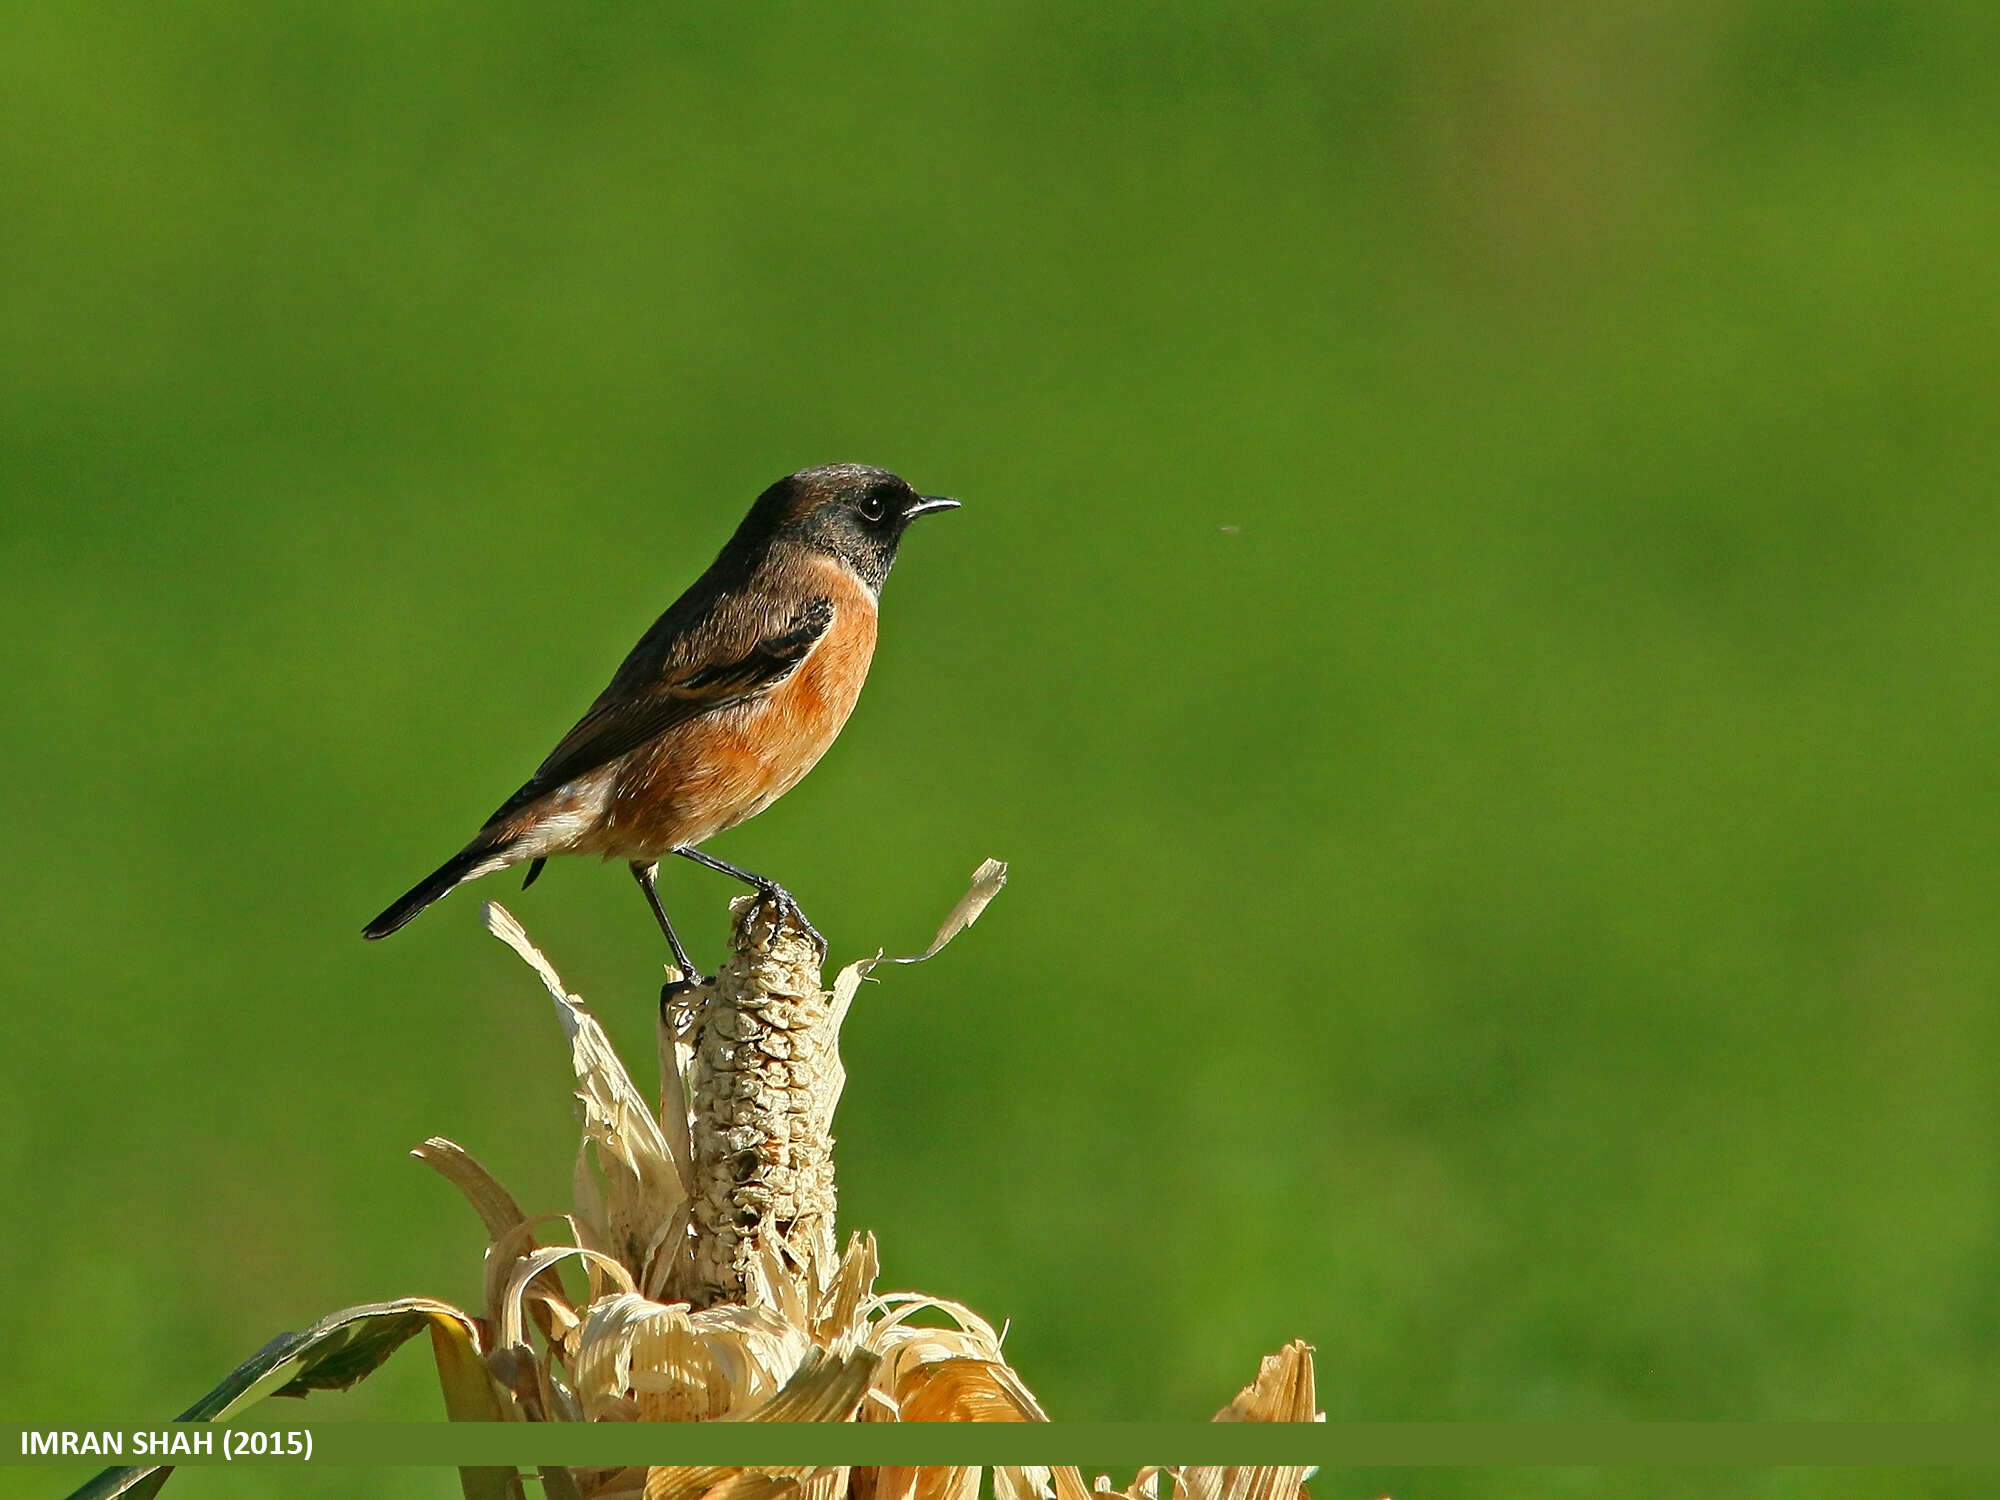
(1472, 624)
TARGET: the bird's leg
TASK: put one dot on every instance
(769, 889)
(690, 976)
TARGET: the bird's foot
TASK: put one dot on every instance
(786, 908)
(678, 994)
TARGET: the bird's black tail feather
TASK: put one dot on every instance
(461, 867)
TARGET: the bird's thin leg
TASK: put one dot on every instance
(769, 889)
(644, 875)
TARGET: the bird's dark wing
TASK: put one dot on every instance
(672, 676)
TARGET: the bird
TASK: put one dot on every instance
(723, 705)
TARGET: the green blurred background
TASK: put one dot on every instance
(1472, 622)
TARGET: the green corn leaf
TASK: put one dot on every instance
(338, 1351)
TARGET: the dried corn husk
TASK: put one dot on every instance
(706, 1237)
(707, 1232)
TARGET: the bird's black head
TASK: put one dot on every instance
(851, 511)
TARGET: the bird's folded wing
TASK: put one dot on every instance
(629, 713)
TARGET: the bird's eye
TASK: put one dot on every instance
(874, 506)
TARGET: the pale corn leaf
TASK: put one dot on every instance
(646, 1173)
(676, 1032)
(1248, 1482)
(986, 883)
(555, 1313)
(770, 1284)
(502, 1256)
(1136, 1490)
(686, 1481)
(825, 1388)
(751, 1486)
(647, 1353)
(667, 1483)
(495, 1206)
(1019, 1482)
(899, 1307)
(905, 1345)
(532, 1265)
(845, 985)
(678, 1365)
(878, 1406)
(587, 1194)
(1198, 1482)
(756, 1351)
(839, 1317)
(1282, 1392)
(965, 1390)
(701, 1482)
(602, 1371)
(913, 1348)
(825, 1484)
(931, 1482)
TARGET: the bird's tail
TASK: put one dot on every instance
(468, 863)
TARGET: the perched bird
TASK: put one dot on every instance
(722, 707)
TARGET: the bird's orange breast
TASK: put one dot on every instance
(713, 772)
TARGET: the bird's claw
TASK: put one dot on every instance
(788, 907)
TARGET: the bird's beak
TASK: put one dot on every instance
(928, 503)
